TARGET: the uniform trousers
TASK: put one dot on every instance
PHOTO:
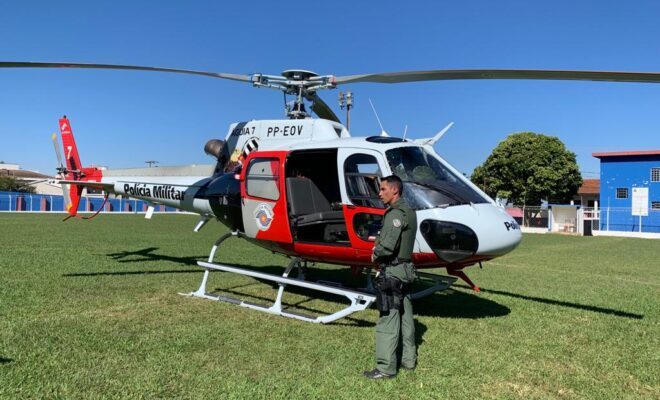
(397, 327)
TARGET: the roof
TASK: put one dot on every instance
(23, 174)
(590, 186)
(627, 153)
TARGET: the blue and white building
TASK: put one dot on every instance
(630, 191)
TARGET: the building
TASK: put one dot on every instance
(588, 194)
(630, 191)
(38, 180)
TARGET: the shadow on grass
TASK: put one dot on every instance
(420, 330)
(314, 295)
(147, 254)
(456, 304)
(165, 271)
(4, 360)
(585, 307)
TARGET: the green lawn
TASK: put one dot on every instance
(89, 309)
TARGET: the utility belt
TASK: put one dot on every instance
(394, 262)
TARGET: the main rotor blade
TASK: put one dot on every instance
(21, 64)
(57, 151)
(322, 109)
(449, 74)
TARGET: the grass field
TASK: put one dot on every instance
(89, 309)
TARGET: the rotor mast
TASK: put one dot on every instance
(299, 83)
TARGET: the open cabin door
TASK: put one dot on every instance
(264, 204)
(363, 209)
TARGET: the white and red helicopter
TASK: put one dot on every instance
(305, 188)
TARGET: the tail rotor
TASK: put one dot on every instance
(62, 172)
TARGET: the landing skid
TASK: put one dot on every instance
(359, 300)
(440, 283)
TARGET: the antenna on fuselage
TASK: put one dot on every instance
(382, 130)
(434, 139)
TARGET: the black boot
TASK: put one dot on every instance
(377, 374)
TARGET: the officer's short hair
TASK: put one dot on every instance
(395, 181)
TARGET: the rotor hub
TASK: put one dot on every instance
(299, 74)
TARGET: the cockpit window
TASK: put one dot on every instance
(427, 182)
(362, 180)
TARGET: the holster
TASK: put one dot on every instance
(387, 288)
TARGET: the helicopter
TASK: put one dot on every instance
(306, 188)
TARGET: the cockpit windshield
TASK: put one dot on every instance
(427, 183)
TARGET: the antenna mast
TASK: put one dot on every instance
(346, 101)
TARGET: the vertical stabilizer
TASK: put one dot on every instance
(73, 167)
(70, 149)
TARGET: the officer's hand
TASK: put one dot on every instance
(373, 258)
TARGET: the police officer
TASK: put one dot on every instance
(393, 252)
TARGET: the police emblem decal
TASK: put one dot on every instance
(263, 215)
(396, 222)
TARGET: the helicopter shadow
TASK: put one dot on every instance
(147, 254)
(142, 255)
(560, 303)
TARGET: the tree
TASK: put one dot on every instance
(11, 184)
(528, 167)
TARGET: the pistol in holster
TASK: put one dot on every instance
(387, 289)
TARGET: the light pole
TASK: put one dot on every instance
(346, 101)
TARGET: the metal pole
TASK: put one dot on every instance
(607, 227)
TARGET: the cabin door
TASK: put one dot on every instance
(363, 209)
(263, 195)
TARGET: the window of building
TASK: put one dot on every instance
(262, 177)
(655, 205)
(655, 174)
(621, 193)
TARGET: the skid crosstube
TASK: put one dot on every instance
(359, 300)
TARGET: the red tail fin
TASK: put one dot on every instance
(74, 168)
(70, 149)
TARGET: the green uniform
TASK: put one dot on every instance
(396, 240)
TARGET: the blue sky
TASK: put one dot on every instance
(122, 118)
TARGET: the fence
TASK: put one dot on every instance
(588, 219)
(26, 202)
(621, 219)
(529, 217)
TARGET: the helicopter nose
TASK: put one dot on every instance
(502, 233)
(459, 233)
